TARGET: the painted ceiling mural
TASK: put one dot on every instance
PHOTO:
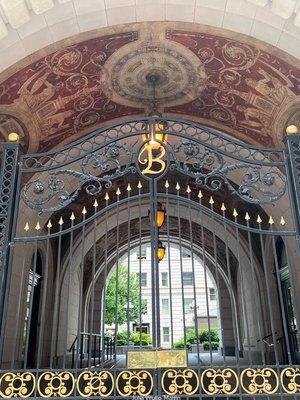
(231, 85)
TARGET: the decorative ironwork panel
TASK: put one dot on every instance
(219, 381)
(184, 381)
(7, 188)
(134, 383)
(189, 382)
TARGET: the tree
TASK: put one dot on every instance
(117, 302)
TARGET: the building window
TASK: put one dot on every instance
(188, 305)
(187, 278)
(144, 328)
(142, 253)
(142, 278)
(164, 279)
(165, 306)
(212, 294)
(166, 334)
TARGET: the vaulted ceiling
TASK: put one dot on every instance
(225, 80)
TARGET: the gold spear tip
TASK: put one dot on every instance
(282, 221)
(235, 213)
(247, 216)
(259, 220)
(223, 208)
(95, 203)
(13, 137)
(188, 189)
(139, 185)
(84, 210)
(72, 217)
(106, 196)
(167, 184)
(61, 221)
(118, 192)
(177, 186)
(128, 187)
(271, 220)
(26, 227)
(211, 200)
(38, 226)
(200, 195)
(49, 225)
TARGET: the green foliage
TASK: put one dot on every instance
(141, 338)
(122, 338)
(203, 335)
(117, 297)
(214, 345)
(179, 344)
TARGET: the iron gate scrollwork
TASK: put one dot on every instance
(124, 241)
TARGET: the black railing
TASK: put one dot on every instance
(92, 350)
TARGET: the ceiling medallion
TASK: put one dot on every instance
(181, 75)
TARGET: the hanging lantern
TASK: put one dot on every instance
(156, 131)
(160, 215)
(161, 251)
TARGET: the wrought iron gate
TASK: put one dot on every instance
(71, 221)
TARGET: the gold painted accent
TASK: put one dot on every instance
(139, 185)
(61, 221)
(211, 200)
(247, 216)
(56, 384)
(290, 380)
(177, 187)
(271, 220)
(151, 148)
(223, 208)
(200, 195)
(128, 187)
(72, 218)
(157, 359)
(259, 380)
(17, 385)
(95, 203)
(180, 382)
(118, 192)
(291, 130)
(26, 227)
(214, 381)
(259, 220)
(84, 210)
(95, 383)
(38, 226)
(49, 225)
(235, 213)
(282, 221)
(134, 383)
(13, 137)
(167, 184)
(106, 197)
(188, 189)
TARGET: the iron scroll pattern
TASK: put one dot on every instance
(128, 383)
(56, 188)
(97, 172)
(258, 184)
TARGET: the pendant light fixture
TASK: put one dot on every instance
(160, 251)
